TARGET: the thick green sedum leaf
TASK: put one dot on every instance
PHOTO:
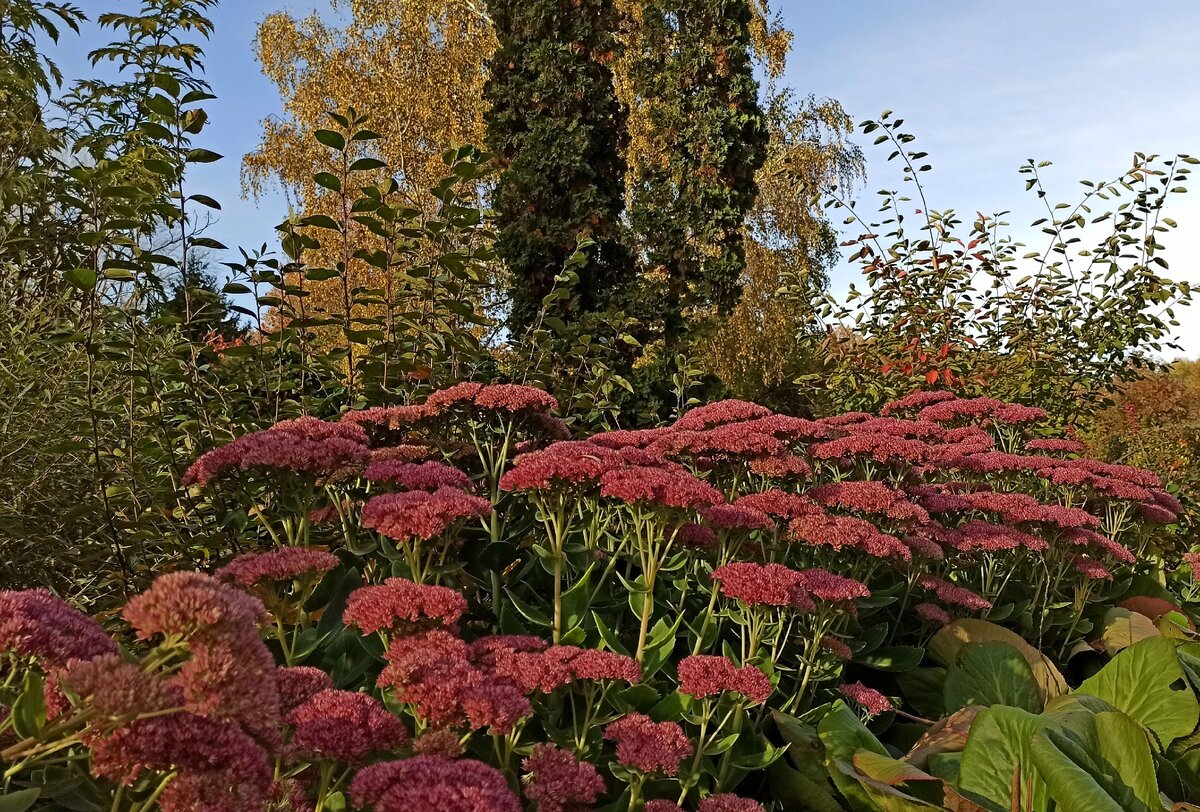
(1147, 682)
(991, 674)
(844, 735)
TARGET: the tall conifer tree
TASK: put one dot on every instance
(695, 79)
(559, 132)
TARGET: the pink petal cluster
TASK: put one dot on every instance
(557, 781)
(739, 516)
(1090, 568)
(882, 448)
(305, 446)
(697, 536)
(400, 603)
(847, 532)
(948, 411)
(218, 767)
(417, 476)
(932, 613)
(299, 683)
(114, 688)
(429, 783)
(344, 726)
(283, 564)
(34, 623)
(566, 463)
(556, 666)
(763, 585)
(869, 496)
(420, 514)
(836, 647)
(916, 400)
(720, 413)
(702, 675)
(649, 746)
(953, 594)
(866, 698)
(231, 674)
(780, 504)
(825, 586)
(659, 488)
(782, 466)
(727, 802)
(1084, 537)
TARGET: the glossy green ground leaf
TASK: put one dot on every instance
(991, 674)
(945, 645)
(997, 749)
(1147, 682)
(1104, 766)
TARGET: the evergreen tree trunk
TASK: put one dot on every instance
(559, 133)
(708, 137)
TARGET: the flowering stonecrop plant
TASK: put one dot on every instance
(453, 605)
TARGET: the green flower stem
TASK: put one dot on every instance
(708, 613)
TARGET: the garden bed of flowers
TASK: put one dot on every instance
(456, 605)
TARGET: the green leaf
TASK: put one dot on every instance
(328, 180)
(894, 659)
(998, 748)
(203, 156)
(363, 164)
(795, 790)
(945, 645)
(991, 674)
(844, 735)
(1147, 682)
(1103, 766)
(29, 710)
(20, 800)
(80, 278)
(528, 611)
(331, 139)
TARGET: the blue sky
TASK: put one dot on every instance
(983, 85)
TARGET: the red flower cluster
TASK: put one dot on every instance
(557, 781)
(420, 514)
(932, 613)
(649, 746)
(399, 603)
(1090, 568)
(780, 504)
(866, 698)
(659, 487)
(344, 726)
(869, 496)
(835, 647)
(429, 782)
(720, 413)
(305, 446)
(848, 532)
(566, 463)
(34, 623)
(277, 565)
(916, 400)
(1057, 446)
(423, 476)
(947, 411)
(739, 516)
(953, 594)
(298, 684)
(702, 675)
(763, 585)
(218, 767)
(114, 688)
(825, 586)
(231, 674)
(727, 802)
(555, 666)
